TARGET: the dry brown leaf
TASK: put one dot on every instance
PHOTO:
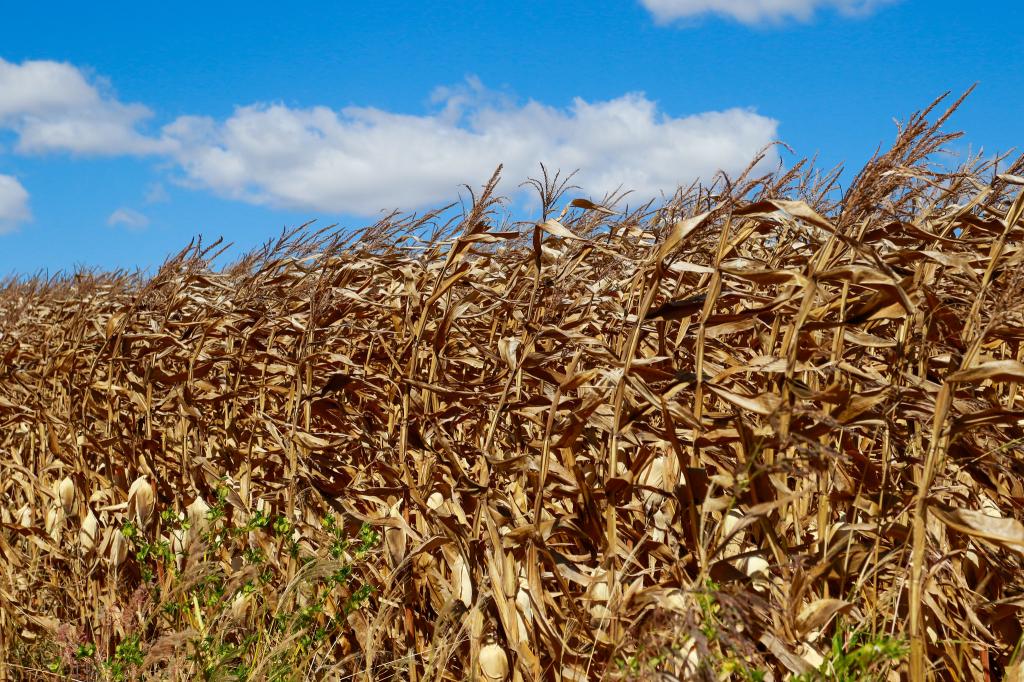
(818, 613)
(997, 370)
(1008, 532)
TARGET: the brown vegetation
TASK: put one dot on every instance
(764, 429)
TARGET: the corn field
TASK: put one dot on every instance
(766, 429)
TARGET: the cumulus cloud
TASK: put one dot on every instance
(361, 160)
(53, 106)
(128, 217)
(13, 203)
(756, 11)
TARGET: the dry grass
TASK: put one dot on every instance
(763, 430)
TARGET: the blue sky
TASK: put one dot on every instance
(128, 128)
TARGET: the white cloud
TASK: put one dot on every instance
(53, 106)
(756, 11)
(127, 217)
(361, 160)
(156, 193)
(13, 203)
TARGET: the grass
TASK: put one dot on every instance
(768, 429)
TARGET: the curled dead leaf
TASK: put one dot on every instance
(1008, 532)
(818, 613)
(997, 370)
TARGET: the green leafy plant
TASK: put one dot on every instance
(126, 660)
(858, 656)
